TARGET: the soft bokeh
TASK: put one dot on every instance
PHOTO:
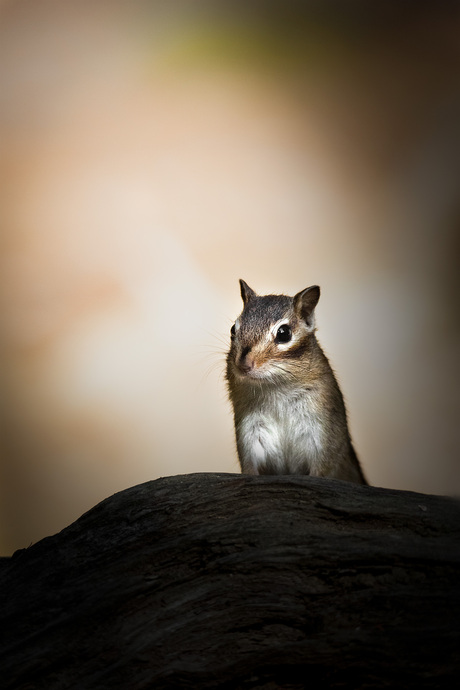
(153, 153)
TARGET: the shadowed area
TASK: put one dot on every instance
(221, 580)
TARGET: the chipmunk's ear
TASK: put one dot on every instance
(305, 303)
(246, 292)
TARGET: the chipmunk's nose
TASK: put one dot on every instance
(246, 362)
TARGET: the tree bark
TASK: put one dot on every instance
(231, 581)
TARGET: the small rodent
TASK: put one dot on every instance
(289, 413)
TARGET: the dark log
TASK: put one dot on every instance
(230, 581)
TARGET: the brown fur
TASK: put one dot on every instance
(289, 411)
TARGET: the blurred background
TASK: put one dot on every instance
(152, 153)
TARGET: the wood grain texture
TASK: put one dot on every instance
(231, 581)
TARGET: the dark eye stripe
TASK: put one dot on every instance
(295, 351)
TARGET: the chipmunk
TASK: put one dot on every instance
(289, 413)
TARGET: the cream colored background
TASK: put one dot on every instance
(152, 154)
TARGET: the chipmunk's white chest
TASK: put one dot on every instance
(283, 432)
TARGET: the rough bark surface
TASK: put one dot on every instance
(230, 581)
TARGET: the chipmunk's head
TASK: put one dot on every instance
(271, 335)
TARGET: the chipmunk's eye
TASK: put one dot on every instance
(233, 331)
(283, 334)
